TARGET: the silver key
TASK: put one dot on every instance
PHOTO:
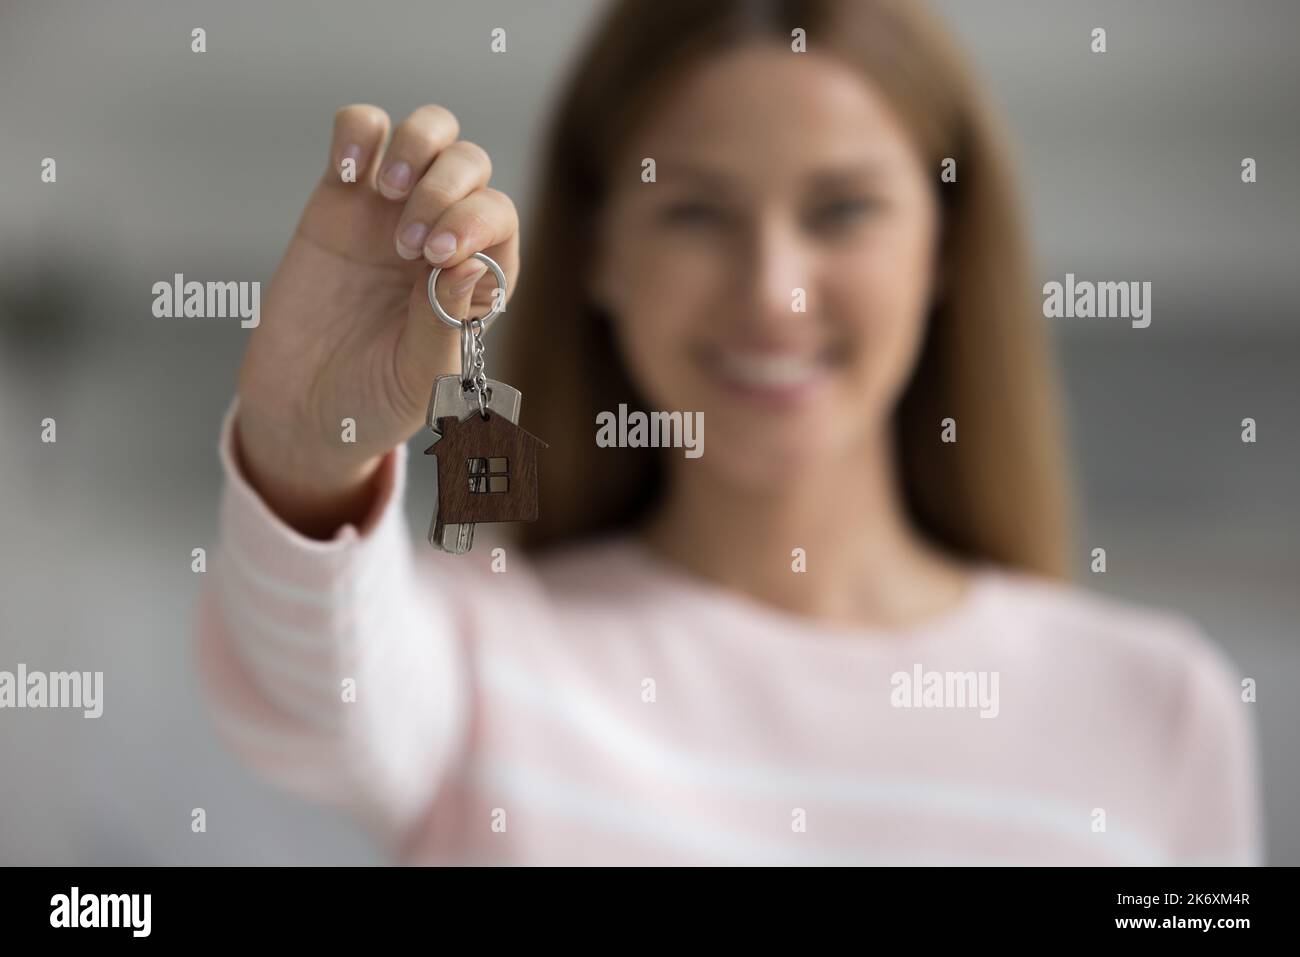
(450, 397)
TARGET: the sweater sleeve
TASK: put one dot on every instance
(325, 667)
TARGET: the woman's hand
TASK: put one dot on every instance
(347, 331)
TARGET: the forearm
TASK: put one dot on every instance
(327, 668)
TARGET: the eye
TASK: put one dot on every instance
(693, 212)
(842, 212)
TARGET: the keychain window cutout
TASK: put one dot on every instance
(488, 474)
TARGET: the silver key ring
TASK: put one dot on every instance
(496, 311)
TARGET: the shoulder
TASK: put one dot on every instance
(1159, 644)
(1158, 657)
(1164, 696)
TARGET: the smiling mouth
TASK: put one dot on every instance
(773, 378)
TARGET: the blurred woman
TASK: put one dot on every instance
(841, 634)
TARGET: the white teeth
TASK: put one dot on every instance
(771, 370)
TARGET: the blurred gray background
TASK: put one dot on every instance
(171, 161)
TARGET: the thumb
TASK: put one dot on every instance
(429, 347)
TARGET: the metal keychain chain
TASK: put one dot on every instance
(473, 332)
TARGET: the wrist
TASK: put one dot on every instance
(313, 490)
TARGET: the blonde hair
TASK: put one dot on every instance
(999, 493)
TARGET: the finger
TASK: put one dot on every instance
(456, 287)
(356, 143)
(417, 140)
(459, 170)
(483, 219)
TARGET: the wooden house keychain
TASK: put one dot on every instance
(487, 464)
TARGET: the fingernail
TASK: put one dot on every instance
(353, 153)
(410, 240)
(440, 247)
(465, 285)
(396, 179)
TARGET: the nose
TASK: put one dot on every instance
(778, 261)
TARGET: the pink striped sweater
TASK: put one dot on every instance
(602, 707)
